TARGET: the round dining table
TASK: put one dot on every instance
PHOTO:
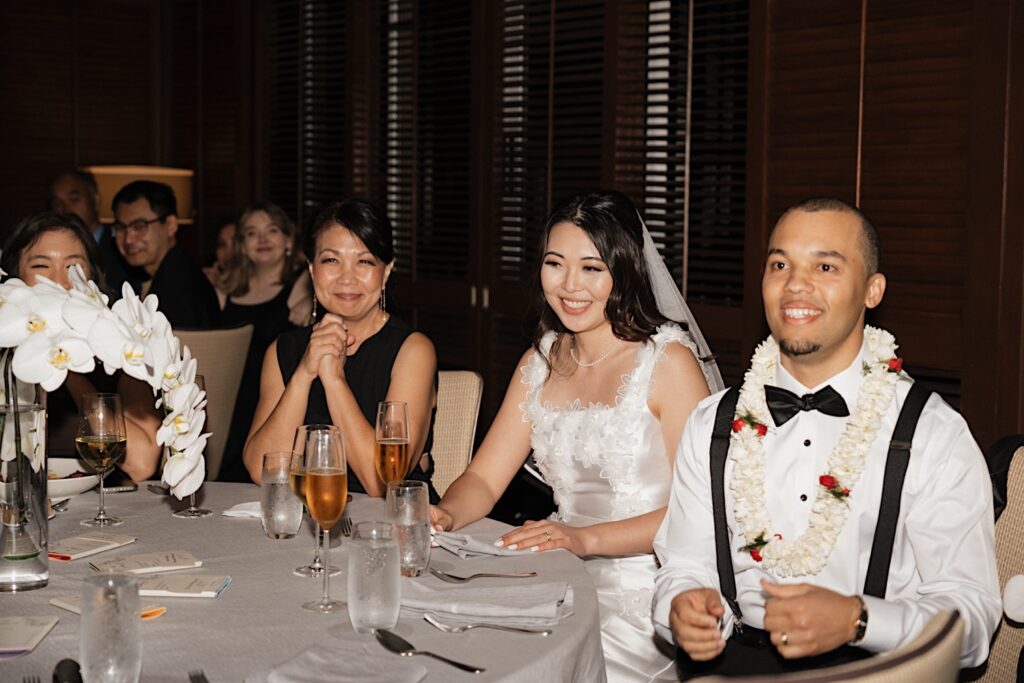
(258, 622)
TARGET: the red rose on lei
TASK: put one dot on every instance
(738, 424)
(895, 364)
(832, 485)
(756, 554)
(761, 429)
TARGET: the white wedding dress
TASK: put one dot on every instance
(607, 463)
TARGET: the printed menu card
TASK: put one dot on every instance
(147, 563)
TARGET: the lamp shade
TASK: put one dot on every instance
(110, 180)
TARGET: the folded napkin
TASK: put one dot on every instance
(244, 510)
(466, 546)
(524, 604)
(345, 663)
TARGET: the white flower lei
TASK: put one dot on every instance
(807, 554)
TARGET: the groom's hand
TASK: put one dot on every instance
(694, 619)
(812, 619)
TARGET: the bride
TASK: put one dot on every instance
(601, 401)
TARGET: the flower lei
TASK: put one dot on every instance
(807, 554)
(53, 331)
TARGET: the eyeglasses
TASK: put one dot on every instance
(139, 226)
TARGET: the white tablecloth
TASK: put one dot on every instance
(258, 621)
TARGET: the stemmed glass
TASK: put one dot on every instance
(101, 443)
(193, 512)
(391, 441)
(297, 478)
(325, 483)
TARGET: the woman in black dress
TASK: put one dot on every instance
(260, 283)
(355, 355)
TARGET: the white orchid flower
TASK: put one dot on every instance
(148, 351)
(25, 311)
(117, 347)
(46, 361)
(185, 416)
(184, 471)
(85, 304)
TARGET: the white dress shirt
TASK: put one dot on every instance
(944, 551)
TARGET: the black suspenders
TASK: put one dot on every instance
(888, 512)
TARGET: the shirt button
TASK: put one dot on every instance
(803, 497)
(807, 442)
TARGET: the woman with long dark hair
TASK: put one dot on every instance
(601, 400)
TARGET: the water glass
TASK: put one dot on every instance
(110, 643)
(373, 581)
(408, 508)
(280, 509)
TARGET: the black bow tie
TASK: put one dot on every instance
(783, 404)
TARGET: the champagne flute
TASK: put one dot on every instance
(101, 443)
(326, 487)
(391, 441)
(193, 512)
(297, 477)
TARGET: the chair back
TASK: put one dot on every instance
(933, 656)
(1009, 642)
(221, 355)
(458, 405)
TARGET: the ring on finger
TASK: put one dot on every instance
(547, 532)
(784, 638)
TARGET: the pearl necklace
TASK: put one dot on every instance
(572, 353)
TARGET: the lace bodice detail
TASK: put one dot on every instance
(604, 462)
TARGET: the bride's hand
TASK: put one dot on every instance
(440, 520)
(547, 535)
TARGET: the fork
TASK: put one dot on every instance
(31, 679)
(346, 525)
(452, 578)
(449, 628)
(197, 676)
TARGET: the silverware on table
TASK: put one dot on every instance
(346, 525)
(401, 646)
(158, 489)
(31, 679)
(453, 578)
(61, 506)
(449, 628)
(197, 676)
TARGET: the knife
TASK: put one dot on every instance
(401, 646)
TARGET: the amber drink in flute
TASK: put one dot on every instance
(297, 478)
(391, 451)
(326, 488)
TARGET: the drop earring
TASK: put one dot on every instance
(384, 298)
(314, 308)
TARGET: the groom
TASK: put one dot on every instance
(826, 509)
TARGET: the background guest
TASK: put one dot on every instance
(48, 244)
(222, 249)
(146, 223)
(264, 267)
(601, 400)
(75, 191)
(356, 355)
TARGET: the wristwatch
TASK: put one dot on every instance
(860, 626)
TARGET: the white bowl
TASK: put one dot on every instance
(62, 487)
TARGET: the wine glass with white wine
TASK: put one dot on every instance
(391, 450)
(101, 443)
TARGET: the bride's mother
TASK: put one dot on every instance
(355, 354)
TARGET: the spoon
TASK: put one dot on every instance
(401, 646)
(450, 628)
(452, 578)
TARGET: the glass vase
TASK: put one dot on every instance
(24, 564)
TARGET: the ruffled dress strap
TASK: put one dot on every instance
(535, 373)
(636, 387)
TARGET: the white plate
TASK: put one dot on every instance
(63, 487)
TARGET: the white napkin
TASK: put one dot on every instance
(466, 546)
(245, 510)
(342, 664)
(532, 604)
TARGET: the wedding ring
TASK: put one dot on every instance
(785, 638)
(547, 532)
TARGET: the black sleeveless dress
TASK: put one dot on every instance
(269, 320)
(368, 374)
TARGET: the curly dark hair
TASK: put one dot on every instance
(614, 226)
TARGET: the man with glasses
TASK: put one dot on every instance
(145, 228)
(74, 191)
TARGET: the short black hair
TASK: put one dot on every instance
(870, 243)
(160, 197)
(85, 176)
(362, 218)
(31, 228)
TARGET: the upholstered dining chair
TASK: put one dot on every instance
(933, 656)
(1006, 464)
(221, 355)
(458, 406)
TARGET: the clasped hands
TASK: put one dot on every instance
(803, 620)
(328, 347)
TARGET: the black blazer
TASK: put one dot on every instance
(186, 297)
